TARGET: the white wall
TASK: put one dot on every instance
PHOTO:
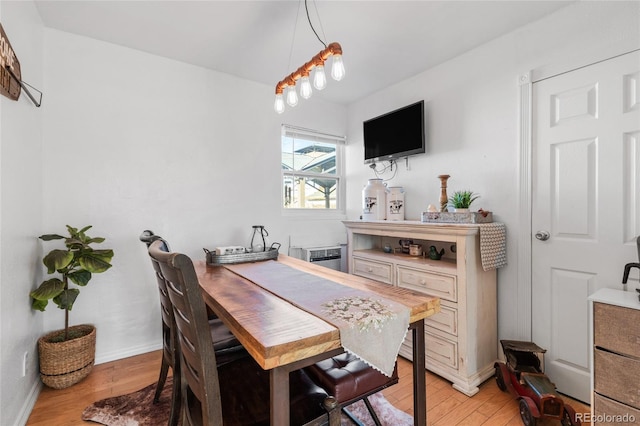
(20, 218)
(133, 141)
(472, 108)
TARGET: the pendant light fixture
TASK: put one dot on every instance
(301, 76)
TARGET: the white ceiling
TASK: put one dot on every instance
(382, 41)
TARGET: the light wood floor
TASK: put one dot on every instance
(445, 406)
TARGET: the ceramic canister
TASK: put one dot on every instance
(374, 200)
(395, 203)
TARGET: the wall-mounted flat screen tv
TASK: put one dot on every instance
(394, 135)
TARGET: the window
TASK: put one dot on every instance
(311, 170)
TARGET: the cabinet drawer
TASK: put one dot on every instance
(617, 328)
(617, 376)
(439, 285)
(608, 412)
(446, 320)
(441, 350)
(368, 268)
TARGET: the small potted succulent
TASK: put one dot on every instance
(67, 356)
(461, 200)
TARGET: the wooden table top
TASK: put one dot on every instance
(276, 332)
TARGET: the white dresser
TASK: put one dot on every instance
(461, 340)
(615, 357)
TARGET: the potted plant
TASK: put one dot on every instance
(67, 356)
(461, 200)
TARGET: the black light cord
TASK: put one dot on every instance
(311, 25)
(388, 167)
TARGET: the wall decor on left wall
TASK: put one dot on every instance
(11, 83)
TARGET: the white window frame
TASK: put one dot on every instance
(314, 135)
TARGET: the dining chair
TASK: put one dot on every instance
(225, 344)
(349, 379)
(236, 393)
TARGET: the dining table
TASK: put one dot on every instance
(283, 337)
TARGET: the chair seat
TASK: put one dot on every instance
(222, 337)
(347, 378)
(245, 395)
(225, 344)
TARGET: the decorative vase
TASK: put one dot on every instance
(374, 200)
(63, 364)
(461, 210)
(444, 199)
(395, 203)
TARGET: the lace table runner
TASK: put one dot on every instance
(371, 327)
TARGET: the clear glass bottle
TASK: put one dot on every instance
(258, 238)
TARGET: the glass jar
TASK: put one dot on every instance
(258, 238)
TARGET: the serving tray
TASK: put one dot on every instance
(452, 217)
(215, 259)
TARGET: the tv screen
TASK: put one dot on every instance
(397, 134)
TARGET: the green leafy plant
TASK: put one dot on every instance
(76, 264)
(463, 199)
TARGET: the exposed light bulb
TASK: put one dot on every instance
(292, 96)
(279, 103)
(319, 79)
(305, 87)
(337, 68)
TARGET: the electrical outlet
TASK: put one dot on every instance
(25, 359)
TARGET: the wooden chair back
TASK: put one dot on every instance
(170, 355)
(166, 309)
(198, 360)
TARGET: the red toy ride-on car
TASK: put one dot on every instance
(523, 377)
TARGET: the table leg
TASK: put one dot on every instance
(279, 398)
(419, 379)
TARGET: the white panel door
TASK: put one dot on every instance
(585, 206)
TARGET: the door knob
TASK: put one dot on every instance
(542, 235)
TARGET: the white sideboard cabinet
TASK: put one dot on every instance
(461, 340)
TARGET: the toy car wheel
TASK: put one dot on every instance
(525, 414)
(570, 418)
(500, 379)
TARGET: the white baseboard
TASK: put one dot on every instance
(29, 402)
(116, 355)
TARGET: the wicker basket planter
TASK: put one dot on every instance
(63, 364)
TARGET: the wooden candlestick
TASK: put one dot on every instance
(444, 199)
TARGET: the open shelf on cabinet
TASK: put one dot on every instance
(445, 265)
